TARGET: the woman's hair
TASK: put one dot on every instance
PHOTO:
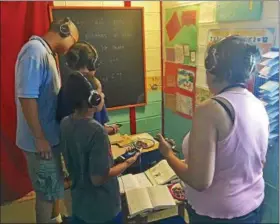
(80, 56)
(77, 90)
(232, 59)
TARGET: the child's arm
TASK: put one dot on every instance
(99, 160)
(98, 84)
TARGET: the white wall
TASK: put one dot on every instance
(270, 19)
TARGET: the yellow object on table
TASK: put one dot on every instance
(117, 150)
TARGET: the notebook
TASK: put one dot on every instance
(144, 200)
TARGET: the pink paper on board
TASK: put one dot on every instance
(170, 54)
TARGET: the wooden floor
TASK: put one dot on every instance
(22, 212)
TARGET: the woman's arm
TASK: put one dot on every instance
(202, 150)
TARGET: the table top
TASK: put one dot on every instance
(117, 151)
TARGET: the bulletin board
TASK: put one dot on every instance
(180, 35)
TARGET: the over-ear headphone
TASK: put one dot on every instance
(94, 98)
(212, 61)
(93, 62)
(64, 29)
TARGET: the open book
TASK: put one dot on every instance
(159, 174)
(143, 200)
(130, 182)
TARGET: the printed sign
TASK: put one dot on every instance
(264, 38)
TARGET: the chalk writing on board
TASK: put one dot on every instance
(117, 47)
(114, 60)
(103, 48)
(118, 22)
(96, 35)
(126, 35)
(115, 76)
(116, 35)
(99, 21)
(79, 23)
(113, 33)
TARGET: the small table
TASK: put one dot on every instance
(117, 151)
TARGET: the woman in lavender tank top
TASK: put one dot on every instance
(226, 147)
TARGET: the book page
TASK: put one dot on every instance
(121, 185)
(143, 180)
(138, 201)
(129, 182)
(162, 173)
(161, 197)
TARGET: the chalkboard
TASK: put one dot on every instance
(117, 34)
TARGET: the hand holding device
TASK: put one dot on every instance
(166, 146)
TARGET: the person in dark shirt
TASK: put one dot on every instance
(88, 158)
(83, 57)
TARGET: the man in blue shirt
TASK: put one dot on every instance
(37, 83)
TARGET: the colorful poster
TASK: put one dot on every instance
(184, 105)
(181, 34)
(201, 94)
(186, 78)
(264, 38)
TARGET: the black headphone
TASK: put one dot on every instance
(64, 30)
(94, 98)
(212, 61)
(93, 62)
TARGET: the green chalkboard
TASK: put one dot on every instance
(232, 11)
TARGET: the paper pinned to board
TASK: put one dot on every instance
(170, 101)
(184, 104)
(179, 54)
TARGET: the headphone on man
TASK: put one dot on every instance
(93, 63)
(64, 29)
(94, 98)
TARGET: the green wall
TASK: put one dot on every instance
(148, 118)
(176, 127)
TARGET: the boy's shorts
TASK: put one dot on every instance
(46, 175)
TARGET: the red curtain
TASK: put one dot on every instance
(19, 21)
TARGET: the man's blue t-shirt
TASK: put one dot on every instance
(64, 109)
(37, 77)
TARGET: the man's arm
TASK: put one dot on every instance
(30, 111)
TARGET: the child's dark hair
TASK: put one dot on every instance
(78, 89)
(232, 59)
(80, 55)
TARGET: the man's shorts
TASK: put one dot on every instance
(46, 175)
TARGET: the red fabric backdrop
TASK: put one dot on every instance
(19, 20)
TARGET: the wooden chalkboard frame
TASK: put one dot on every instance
(143, 41)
